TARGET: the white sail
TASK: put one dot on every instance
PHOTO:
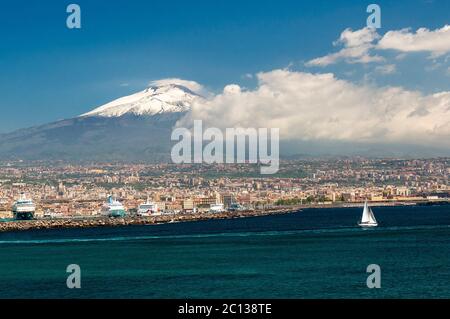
(366, 214)
(368, 218)
(372, 219)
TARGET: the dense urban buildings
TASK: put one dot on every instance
(63, 189)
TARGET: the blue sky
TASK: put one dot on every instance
(48, 72)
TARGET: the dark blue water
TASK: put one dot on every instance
(316, 253)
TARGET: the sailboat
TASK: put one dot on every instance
(368, 218)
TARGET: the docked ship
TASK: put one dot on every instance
(23, 208)
(113, 208)
(216, 208)
(147, 209)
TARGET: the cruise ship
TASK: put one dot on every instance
(147, 209)
(23, 208)
(216, 208)
(113, 208)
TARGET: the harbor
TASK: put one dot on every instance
(9, 225)
(154, 218)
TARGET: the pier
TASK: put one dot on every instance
(93, 222)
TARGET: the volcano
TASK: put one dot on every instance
(132, 128)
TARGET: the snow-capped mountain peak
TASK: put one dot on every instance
(168, 98)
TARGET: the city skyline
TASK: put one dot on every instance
(71, 190)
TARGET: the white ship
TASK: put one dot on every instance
(216, 208)
(368, 218)
(148, 209)
(113, 208)
(23, 208)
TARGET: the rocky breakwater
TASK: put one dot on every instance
(90, 222)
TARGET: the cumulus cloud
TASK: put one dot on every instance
(310, 107)
(191, 85)
(359, 46)
(356, 48)
(437, 42)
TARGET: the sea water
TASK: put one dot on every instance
(315, 253)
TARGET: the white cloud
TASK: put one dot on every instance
(359, 45)
(191, 85)
(436, 42)
(356, 48)
(309, 106)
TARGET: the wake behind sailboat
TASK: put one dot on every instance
(368, 218)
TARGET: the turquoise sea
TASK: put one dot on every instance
(315, 253)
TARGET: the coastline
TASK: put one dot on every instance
(96, 222)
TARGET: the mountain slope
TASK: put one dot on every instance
(170, 98)
(125, 138)
(132, 128)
